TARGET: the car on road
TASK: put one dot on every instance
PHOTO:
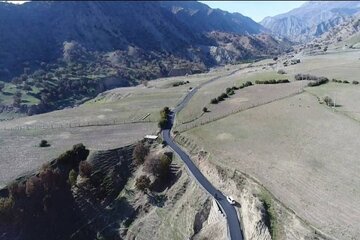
(230, 200)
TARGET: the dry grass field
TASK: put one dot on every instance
(304, 153)
(115, 118)
(20, 152)
(202, 98)
(346, 97)
(243, 99)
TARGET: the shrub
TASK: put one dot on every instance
(248, 83)
(159, 167)
(355, 82)
(6, 205)
(2, 86)
(72, 177)
(214, 101)
(205, 109)
(162, 123)
(328, 101)
(139, 153)
(74, 156)
(319, 81)
(85, 169)
(143, 183)
(345, 81)
(224, 95)
(44, 143)
(281, 71)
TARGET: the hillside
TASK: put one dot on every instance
(90, 47)
(311, 20)
(345, 34)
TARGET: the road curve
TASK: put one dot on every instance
(234, 227)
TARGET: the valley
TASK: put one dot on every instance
(190, 123)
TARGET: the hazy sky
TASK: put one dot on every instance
(257, 10)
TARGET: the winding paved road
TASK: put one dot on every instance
(229, 210)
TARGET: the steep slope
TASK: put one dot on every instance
(346, 34)
(36, 31)
(201, 18)
(107, 26)
(312, 19)
(67, 52)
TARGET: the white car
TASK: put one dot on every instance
(230, 200)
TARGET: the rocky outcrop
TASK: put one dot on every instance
(311, 20)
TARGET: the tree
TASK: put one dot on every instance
(44, 143)
(328, 101)
(72, 177)
(2, 86)
(85, 169)
(139, 153)
(17, 99)
(205, 109)
(159, 167)
(143, 183)
(214, 101)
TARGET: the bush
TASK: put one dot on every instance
(162, 123)
(74, 156)
(224, 95)
(139, 153)
(355, 82)
(328, 101)
(2, 86)
(44, 143)
(345, 81)
(85, 169)
(6, 205)
(72, 177)
(205, 109)
(143, 183)
(214, 101)
(319, 81)
(281, 71)
(159, 167)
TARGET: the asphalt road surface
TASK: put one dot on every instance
(234, 227)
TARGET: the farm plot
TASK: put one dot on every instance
(304, 153)
(20, 151)
(344, 65)
(245, 98)
(346, 97)
(202, 98)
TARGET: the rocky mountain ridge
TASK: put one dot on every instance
(312, 19)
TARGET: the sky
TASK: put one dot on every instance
(15, 2)
(257, 10)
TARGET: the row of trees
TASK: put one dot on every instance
(176, 84)
(318, 82)
(228, 92)
(301, 76)
(344, 81)
(272, 81)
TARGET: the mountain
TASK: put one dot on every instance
(36, 31)
(60, 53)
(346, 34)
(311, 20)
(201, 18)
